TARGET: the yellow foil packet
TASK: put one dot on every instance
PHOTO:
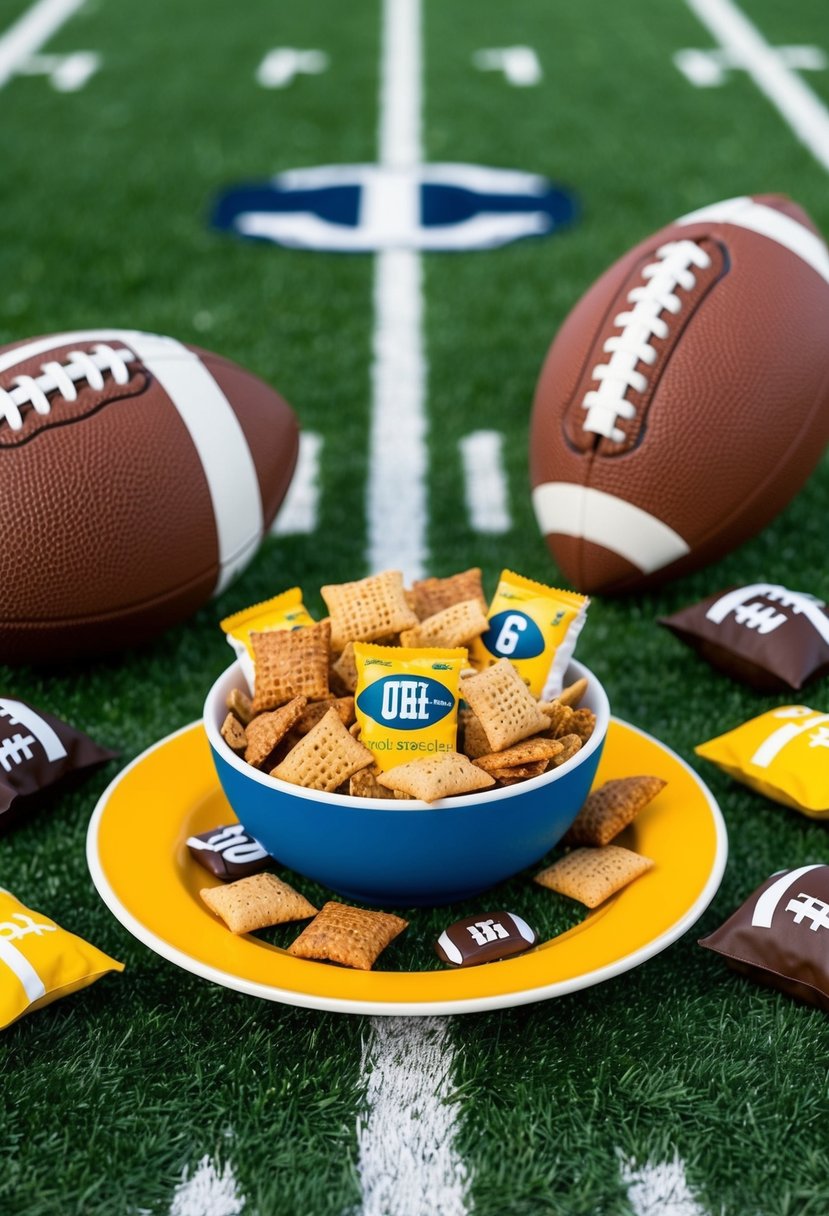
(284, 611)
(407, 701)
(536, 628)
(783, 754)
(40, 962)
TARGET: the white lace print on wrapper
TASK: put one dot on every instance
(62, 378)
(608, 403)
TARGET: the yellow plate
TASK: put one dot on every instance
(141, 866)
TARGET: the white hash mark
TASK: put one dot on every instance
(659, 1190)
(207, 1192)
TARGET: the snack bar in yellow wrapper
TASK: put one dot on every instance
(40, 962)
(407, 701)
(536, 628)
(284, 611)
(783, 754)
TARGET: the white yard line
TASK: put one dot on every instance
(31, 31)
(299, 512)
(407, 1163)
(396, 498)
(659, 1190)
(799, 106)
(207, 1192)
(485, 482)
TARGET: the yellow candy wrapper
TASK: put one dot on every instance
(40, 962)
(284, 611)
(536, 628)
(407, 701)
(783, 754)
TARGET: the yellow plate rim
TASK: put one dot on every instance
(367, 993)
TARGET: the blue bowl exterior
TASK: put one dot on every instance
(407, 858)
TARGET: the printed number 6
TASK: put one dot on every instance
(510, 634)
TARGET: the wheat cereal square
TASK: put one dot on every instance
(257, 902)
(290, 663)
(592, 875)
(353, 937)
(324, 758)
(506, 708)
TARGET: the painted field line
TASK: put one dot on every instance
(799, 106)
(396, 497)
(659, 1190)
(407, 1162)
(31, 30)
(207, 1192)
(299, 512)
(485, 482)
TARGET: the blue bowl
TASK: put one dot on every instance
(407, 853)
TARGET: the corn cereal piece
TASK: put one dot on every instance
(367, 610)
(592, 875)
(290, 663)
(431, 595)
(505, 706)
(233, 733)
(528, 752)
(324, 758)
(573, 693)
(256, 902)
(437, 777)
(475, 742)
(570, 744)
(453, 626)
(353, 937)
(266, 731)
(315, 710)
(610, 808)
(239, 703)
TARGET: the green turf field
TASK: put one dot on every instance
(111, 1099)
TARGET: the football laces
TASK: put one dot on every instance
(673, 269)
(62, 379)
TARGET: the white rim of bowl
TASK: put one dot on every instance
(214, 712)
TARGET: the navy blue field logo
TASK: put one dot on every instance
(406, 702)
(513, 635)
(365, 208)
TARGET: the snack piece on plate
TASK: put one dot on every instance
(484, 938)
(431, 595)
(228, 852)
(350, 936)
(763, 634)
(453, 626)
(367, 610)
(256, 903)
(782, 754)
(40, 961)
(436, 777)
(36, 750)
(503, 704)
(610, 808)
(290, 664)
(535, 627)
(592, 875)
(325, 758)
(266, 731)
(778, 936)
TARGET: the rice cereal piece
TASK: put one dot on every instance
(256, 902)
(453, 626)
(505, 706)
(573, 693)
(431, 595)
(434, 777)
(351, 936)
(475, 742)
(239, 703)
(528, 752)
(324, 758)
(367, 610)
(570, 744)
(610, 808)
(290, 663)
(233, 733)
(266, 731)
(315, 710)
(592, 875)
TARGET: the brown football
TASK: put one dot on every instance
(137, 477)
(685, 400)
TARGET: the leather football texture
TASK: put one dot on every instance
(685, 399)
(137, 477)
